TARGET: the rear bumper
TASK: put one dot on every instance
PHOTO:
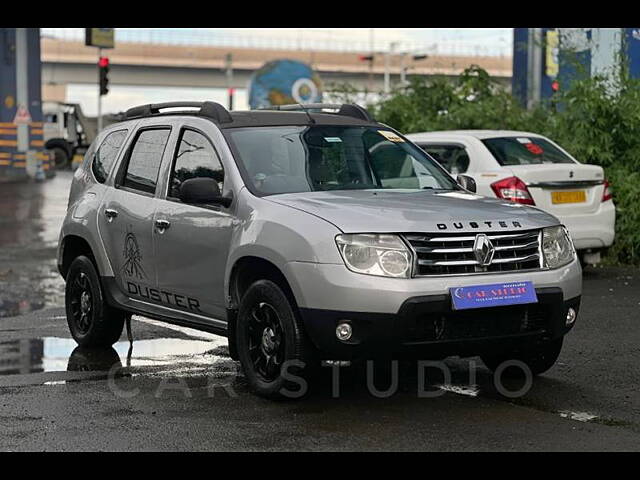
(592, 230)
(427, 326)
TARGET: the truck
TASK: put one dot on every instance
(67, 131)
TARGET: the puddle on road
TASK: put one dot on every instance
(466, 390)
(31, 215)
(53, 354)
(579, 416)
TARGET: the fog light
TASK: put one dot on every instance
(344, 331)
(571, 317)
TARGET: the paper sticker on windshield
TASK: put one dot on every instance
(332, 139)
(535, 149)
(523, 140)
(390, 136)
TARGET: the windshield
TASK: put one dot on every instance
(318, 158)
(525, 151)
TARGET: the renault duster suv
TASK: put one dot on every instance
(302, 234)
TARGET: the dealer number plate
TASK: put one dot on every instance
(493, 295)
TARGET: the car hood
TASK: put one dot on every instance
(424, 211)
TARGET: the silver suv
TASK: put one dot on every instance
(302, 234)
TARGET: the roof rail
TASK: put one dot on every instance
(345, 109)
(212, 110)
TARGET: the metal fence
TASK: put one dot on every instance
(301, 39)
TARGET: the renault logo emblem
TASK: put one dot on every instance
(483, 250)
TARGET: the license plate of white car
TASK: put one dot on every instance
(578, 196)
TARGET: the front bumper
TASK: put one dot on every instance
(428, 326)
(390, 314)
(322, 286)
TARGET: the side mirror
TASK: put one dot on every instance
(202, 190)
(467, 183)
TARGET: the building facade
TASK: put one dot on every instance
(22, 153)
(546, 59)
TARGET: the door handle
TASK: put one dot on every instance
(111, 214)
(162, 225)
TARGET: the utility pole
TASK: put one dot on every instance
(403, 69)
(22, 87)
(99, 95)
(372, 54)
(229, 72)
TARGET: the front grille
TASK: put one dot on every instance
(452, 254)
(477, 323)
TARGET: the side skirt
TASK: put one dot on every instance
(117, 299)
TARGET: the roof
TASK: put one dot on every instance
(480, 134)
(309, 114)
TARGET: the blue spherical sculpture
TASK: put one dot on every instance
(282, 82)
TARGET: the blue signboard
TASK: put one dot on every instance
(493, 295)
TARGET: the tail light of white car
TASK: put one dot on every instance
(513, 189)
(607, 194)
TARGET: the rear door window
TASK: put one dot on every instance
(145, 159)
(525, 151)
(454, 158)
(106, 154)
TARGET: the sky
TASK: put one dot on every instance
(452, 41)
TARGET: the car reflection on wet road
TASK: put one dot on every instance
(177, 388)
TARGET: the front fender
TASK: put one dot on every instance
(280, 235)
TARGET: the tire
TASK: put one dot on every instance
(268, 336)
(92, 322)
(61, 157)
(583, 264)
(539, 358)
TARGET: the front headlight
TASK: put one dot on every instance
(557, 246)
(375, 254)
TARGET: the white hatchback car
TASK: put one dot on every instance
(528, 168)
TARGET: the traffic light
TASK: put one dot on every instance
(103, 67)
(365, 58)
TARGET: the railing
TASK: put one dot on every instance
(300, 39)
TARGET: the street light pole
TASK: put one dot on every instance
(404, 68)
(99, 93)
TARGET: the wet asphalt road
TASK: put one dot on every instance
(178, 390)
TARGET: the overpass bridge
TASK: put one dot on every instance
(159, 65)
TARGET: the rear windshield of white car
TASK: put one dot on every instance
(525, 151)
